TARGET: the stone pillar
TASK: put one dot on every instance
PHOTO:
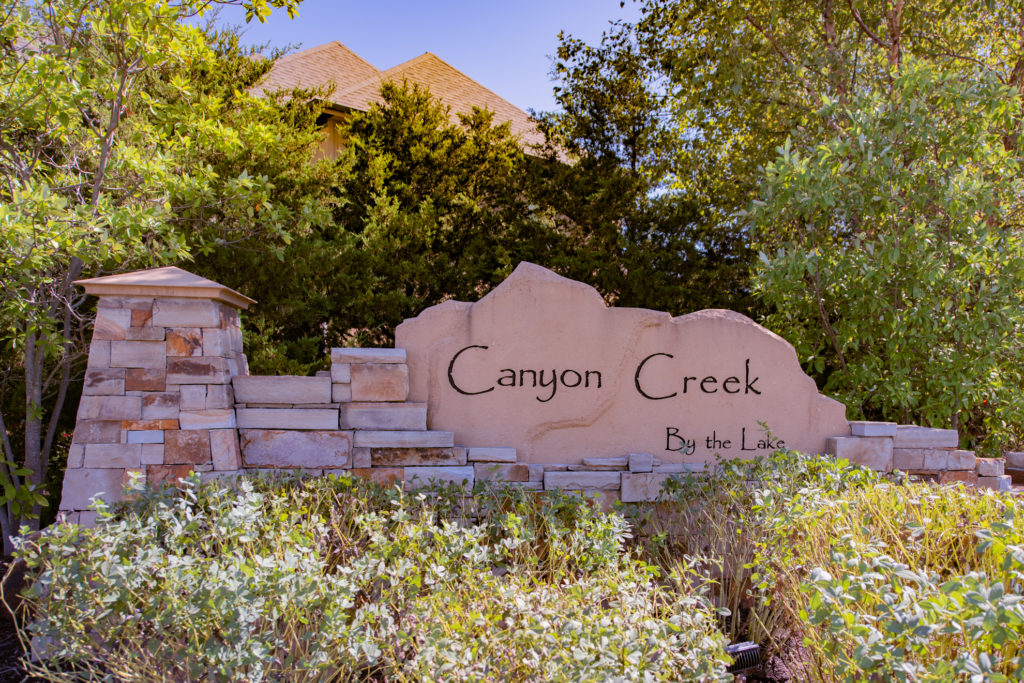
(157, 400)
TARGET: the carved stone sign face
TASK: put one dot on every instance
(543, 365)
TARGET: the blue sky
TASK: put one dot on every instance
(506, 46)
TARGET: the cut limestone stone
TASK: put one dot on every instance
(76, 456)
(395, 416)
(224, 449)
(223, 418)
(494, 471)
(97, 431)
(641, 462)
(961, 460)
(356, 356)
(583, 481)
(199, 370)
(160, 406)
(149, 436)
(282, 389)
(193, 397)
(1001, 482)
(341, 373)
(912, 436)
(184, 341)
(860, 428)
(404, 439)
(935, 459)
(341, 393)
(361, 458)
(1014, 459)
(101, 455)
(411, 457)
(285, 418)
(461, 455)
(873, 452)
(491, 455)
(217, 343)
(906, 459)
(191, 447)
(968, 477)
(613, 463)
(380, 382)
(145, 334)
(137, 354)
(118, 407)
(990, 467)
(643, 486)
(219, 396)
(176, 313)
(145, 379)
(385, 476)
(83, 484)
(287, 448)
(104, 382)
(152, 454)
(424, 476)
(99, 354)
(167, 474)
(142, 317)
(111, 324)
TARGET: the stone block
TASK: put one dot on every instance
(356, 356)
(201, 370)
(193, 397)
(990, 467)
(1002, 482)
(152, 454)
(380, 382)
(583, 481)
(404, 439)
(217, 342)
(224, 449)
(116, 455)
(912, 436)
(361, 457)
(425, 476)
(167, 474)
(184, 341)
(219, 396)
(491, 455)
(496, 471)
(935, 459)
(119, 407)
(111, 324)
(104, 382)
(287, 418)
(619, 462)
(160, 406)
(99, 354)
(392, 417)
(385, 476)
(177, 313)
(145, 379)
(341, 393)
(81, 485)
(286, 448)
(873, 452)
(861, 428)
(341, 373)
(639, 487)
(97, 431)
(961, 460)
(641, 462)
(907, 459)
(142, 317)
(143, 425)
(146, 437)
(186, 447)
(76, 456)
(1014, 459)
(282, 389)
(537, 473)
(411, 457)
(137, 354)
(460, 454)
(968, 477)
(223, 418)
(145, 334)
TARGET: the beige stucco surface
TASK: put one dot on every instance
(740, 375)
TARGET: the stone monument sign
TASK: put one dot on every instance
(543, 365)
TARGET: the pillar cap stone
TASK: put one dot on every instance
(164, 282)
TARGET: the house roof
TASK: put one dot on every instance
(357, 84)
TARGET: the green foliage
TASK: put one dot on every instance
(892, 258)
(333, 578)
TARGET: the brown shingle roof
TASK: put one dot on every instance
(358, 84)
(318, 67)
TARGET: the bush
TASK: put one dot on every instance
(333, 578)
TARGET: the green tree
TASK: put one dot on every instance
(98, 131)
(893, 254)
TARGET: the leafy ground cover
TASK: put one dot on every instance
(837, 573)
